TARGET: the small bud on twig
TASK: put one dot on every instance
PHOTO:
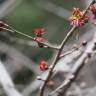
(40, 40)
(43, 66)
(84, 43)
(39, 78)
(39, 32)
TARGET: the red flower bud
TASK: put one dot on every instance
(40, 39)
(39, 31)
(77, 18)
(43, 65)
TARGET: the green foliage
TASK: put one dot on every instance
(26, 17)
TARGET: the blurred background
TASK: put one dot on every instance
(20, 54)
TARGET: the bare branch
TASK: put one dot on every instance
(75, 70)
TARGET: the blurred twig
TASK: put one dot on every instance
(7, 7)
(7, 83)
(18, 56)
(51, 7)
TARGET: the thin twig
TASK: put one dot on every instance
(74, 49)
(67, 53)
(71, 51)
(46, 44)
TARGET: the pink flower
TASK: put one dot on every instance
(77, 18)
(39, 39)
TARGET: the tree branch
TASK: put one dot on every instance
(45, 44)
(75, 70)
(60, 50)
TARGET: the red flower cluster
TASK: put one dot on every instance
(39, 32)
(77, 18)
(93, 10)
(43, 65)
